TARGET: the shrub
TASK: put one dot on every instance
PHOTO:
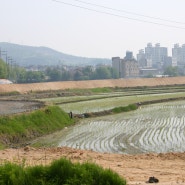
(60, 172)
(125, 109)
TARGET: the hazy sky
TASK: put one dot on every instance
(82, 32)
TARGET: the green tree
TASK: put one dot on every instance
(115, 73)
(3, 69)
(34, 76)
(21, 75)
(103, 73)
(171, 71)
(87, 72)
(78, 75)
(65, 75)
(54, 74)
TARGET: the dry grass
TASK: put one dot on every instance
(139, 82)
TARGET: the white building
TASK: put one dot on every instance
(178, 55)
(156, 56)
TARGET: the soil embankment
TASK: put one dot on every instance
(138, 82)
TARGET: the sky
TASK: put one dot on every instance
(93, 28)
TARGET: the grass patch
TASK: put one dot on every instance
(60, 172)
(91, 90)
(20, 128)
(125, 109)
(9, 93)
(101, 90)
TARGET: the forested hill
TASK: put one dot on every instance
(29, 55)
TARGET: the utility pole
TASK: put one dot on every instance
(3, 53)
(9, 64)
(9, 60)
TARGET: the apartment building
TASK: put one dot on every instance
(178, 55)
(126, 67)
(152, 56)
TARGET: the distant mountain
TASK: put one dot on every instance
(29, 55)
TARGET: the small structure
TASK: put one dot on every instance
(5, 81)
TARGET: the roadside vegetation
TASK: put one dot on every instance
(60, 172)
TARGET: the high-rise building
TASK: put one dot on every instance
(155, 56)
(178, 55)
(142, 61)
(183, 54)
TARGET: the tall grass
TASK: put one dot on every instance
(9, 93)
(60, 172)
(102, 90)
(19, 128)
(91, 90)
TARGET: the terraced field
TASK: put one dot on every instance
(94, 104)
(155, 128)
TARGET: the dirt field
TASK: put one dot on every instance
(24, 88)
(168, 168)
(14, 107)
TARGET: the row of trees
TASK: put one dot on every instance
(85, 73)
(55, 73)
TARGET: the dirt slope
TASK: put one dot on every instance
(24, 88)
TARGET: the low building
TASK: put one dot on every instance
(146, 72)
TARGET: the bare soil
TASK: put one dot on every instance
(138, 82)
(13, 107)
(168, 168)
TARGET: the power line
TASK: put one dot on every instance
(116, 15)
(131, 13)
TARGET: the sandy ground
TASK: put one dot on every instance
(168, 168)
(25, 88)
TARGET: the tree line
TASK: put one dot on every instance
(55, 73)
(18, 74)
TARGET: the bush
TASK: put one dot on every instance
(125, 109)
(60, 172)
